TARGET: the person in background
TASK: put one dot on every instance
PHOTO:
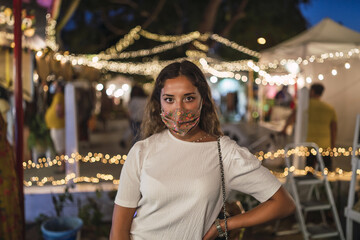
(283, 98)
(172, 178)
(55, 119)
(85, 101)
(322, 124)
(10, 215)
(136, 108)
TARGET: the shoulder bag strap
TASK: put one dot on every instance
(222, 185)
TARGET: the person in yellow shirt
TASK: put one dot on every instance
(322, 124)
(55, 119)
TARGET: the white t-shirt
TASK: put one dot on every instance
(176, 185)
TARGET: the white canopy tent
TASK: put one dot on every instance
(320, 50)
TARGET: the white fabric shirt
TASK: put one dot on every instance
(176, 185)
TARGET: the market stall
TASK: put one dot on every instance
(326, 53)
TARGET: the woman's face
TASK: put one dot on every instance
(180, 93)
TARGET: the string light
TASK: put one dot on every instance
(120, 160)
(352, 53)
(215, 72)
(146, 52)
(235, 46)
(122, 44)
(223, 69)
(202, 37)
(194, 54)
(75, 157)
(115, 52)
(169, 38)
(288, 79)
(100, 177)
(153, 67)
(303, 151)
(50, 33)
(200, 46)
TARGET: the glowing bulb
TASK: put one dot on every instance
(347, 65)
(334, 72)
(300, 82)
(119, 93)
(99, 87)
(321, 77)
(237, 76)
(39, 53)
(261, 40)
(36, 77)
(125, 87)
(202, 61)
(95, 59)
(308, 80)
(292, 67)
(244, 78)
(109, 91)
(213, 79)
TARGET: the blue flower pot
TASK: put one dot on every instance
(62, 228)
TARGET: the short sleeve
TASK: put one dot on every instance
(128, 194)
(246, 174)
(59, 99)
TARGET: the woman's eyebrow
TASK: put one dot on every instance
(170, 95)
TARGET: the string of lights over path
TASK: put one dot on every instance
(223, 69)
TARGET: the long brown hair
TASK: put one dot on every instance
(209, 121)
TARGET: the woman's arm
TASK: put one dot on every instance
(121, 223)
(279, 205)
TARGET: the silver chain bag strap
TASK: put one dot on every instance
(223, 189)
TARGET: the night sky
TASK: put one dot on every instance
(345, 12)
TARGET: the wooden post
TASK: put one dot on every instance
(250, 96)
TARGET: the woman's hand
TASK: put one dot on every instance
(211, 234)
(278, 206)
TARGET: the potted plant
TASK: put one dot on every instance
(61, 227)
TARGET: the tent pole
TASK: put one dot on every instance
(250, 96)
(19, 109)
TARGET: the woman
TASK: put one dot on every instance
(171, 179)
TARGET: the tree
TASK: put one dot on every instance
(97, 25)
